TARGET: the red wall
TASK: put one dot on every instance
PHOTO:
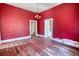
(0, 23)
(14, 21)
(66, 21)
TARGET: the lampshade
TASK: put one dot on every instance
(37, 16)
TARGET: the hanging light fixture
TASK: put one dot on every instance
(37, 16)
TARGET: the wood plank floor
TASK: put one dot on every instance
(37, 46)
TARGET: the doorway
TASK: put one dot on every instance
(33, 28)
(48, 27)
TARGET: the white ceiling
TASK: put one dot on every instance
(33, 6)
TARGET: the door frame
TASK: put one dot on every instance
(52, 26)
(31, 25)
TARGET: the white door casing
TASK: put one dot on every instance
(33, 27)
(48, 27)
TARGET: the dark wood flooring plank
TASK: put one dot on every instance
(37, 46)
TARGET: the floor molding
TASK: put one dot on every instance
(40, 35)
(67, 42)
(64, 41)
(14, 39)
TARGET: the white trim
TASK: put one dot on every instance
(67, 42)
(64, 41)
(40, 35)
(51, 7)
(14, 39)
(50, 19)
(0, 38)
(30, 26)
(42, 8)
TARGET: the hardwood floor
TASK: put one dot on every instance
(37, 46)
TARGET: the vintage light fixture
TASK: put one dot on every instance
(37, 16)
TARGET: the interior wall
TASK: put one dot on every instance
(14, 21)
(0, 22)
(66, 21)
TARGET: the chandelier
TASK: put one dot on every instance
(37, 16)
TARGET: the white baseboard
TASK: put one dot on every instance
(14, 39)
(67, 42)
(64, 41)
(40, 35)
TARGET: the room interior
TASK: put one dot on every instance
(39, 29)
